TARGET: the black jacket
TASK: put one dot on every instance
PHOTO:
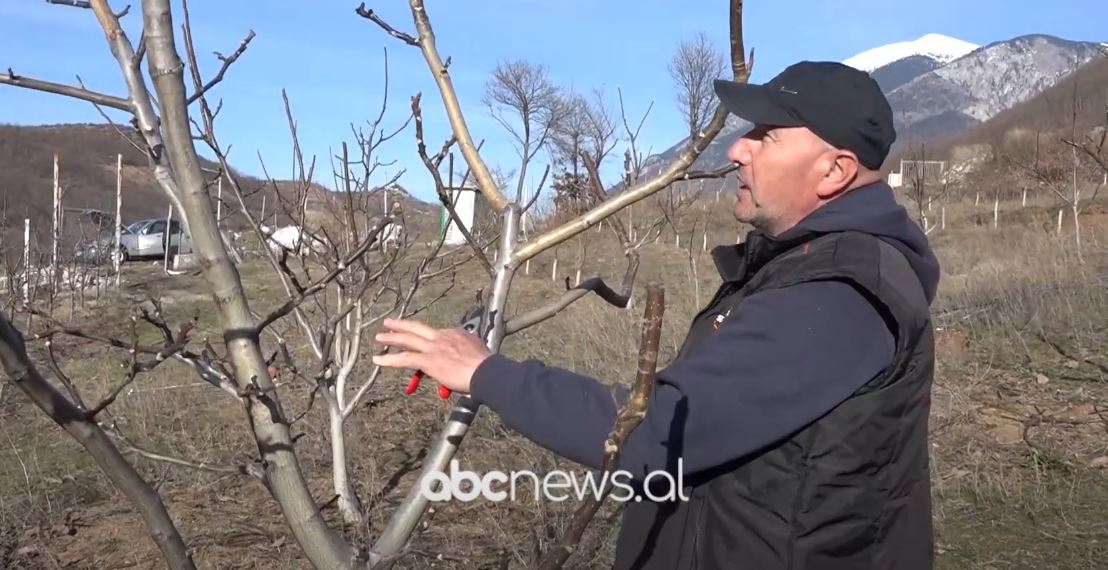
(786, 351)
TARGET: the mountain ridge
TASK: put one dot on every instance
(941, 100)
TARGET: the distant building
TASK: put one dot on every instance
(472, 209)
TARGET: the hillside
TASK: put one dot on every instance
(1053, 109)
(1051, 112)
(975, 88)
(87, 173)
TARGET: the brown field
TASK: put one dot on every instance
(1019, 455)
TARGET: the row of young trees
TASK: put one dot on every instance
(1068, 165)
(339, 284)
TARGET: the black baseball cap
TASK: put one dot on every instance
(842, 105)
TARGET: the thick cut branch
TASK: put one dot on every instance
(13, 356)
(93, 97)
(627, 419)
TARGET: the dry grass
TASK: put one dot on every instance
(1017, 435)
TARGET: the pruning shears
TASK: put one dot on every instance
(471, 323)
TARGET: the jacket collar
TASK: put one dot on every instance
(738, 262)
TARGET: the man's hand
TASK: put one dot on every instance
(450, 356)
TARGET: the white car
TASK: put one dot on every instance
(146, 238)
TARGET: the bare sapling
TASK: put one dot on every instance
(924, 189)
(1074, 168)
(1092, 150)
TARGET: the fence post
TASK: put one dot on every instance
(165, 234)
(116, 254)
(56, 223)
(26, 261)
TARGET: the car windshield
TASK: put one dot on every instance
(136, 227)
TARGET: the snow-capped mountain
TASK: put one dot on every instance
(942, 49)
(978, 86)
(939, 86)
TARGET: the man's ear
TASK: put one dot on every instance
(839, 170)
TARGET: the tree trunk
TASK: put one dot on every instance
(349, 505)
(406, 516)
(324, 547)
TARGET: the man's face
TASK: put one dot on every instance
(778, 175)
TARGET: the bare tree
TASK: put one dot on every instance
(587, 127)
(1072, 167)
(512, 255)
(1092, 150)
(523, 99)
(695, 65)
(627, 419)
(923, 187)
(242, 370)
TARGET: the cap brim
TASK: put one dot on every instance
(754, 103)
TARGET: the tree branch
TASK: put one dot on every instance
(426, 43)
(227, 61)
(593, 284)
(142, 107)
(73, 3)
(370, 15)
(267, 420)
(321, 283)
(441, 189)
(251, 469)
(17, 365)
(717, 173)
(10, 78)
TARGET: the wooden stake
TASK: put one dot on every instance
(56, 223)
(165, 235)
(27, 261)
(116, 254)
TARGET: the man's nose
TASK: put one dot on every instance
(739, 152)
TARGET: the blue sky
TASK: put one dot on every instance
(330, 61)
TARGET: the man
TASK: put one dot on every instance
(797, 407)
